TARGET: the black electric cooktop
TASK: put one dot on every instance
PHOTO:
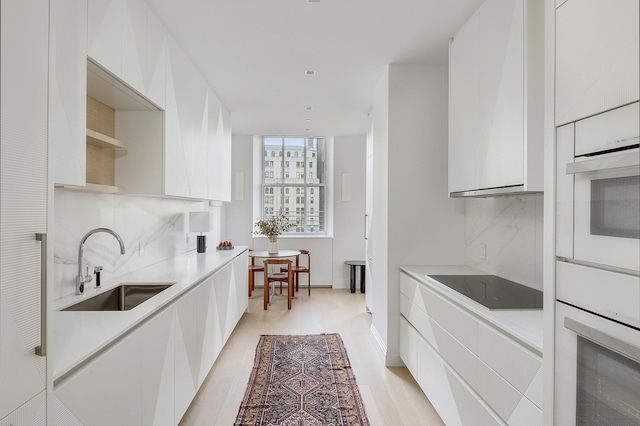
(493, 292)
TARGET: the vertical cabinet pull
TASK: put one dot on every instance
(366, 226)
(42, 349)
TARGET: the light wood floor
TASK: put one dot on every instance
(391, 395)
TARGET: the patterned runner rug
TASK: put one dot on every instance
(302, 381)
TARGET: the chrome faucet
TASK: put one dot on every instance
(81, 280)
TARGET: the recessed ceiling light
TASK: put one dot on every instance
(310, 72)
(308, 120)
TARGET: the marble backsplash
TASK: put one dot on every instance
(153, 230)
(511, 227)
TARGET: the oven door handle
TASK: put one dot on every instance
(628, 158)
(612, 343)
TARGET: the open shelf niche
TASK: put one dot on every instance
(106, 95)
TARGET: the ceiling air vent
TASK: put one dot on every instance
(313, 1)
(310, 72)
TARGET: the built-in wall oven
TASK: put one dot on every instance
(597, 345)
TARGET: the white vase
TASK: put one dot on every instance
(273, 245)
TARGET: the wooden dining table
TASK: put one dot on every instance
(264, 254)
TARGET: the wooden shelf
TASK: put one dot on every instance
(94, 187)
(103, 141)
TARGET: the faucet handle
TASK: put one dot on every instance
(96, 270)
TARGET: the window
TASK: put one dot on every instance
(306, 181)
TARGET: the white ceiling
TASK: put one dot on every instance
(254, 54)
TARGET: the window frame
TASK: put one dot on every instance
(320, 219)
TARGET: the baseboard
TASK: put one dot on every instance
(393, 361)
(341, 283)
(378, 344)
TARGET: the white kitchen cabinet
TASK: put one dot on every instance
(68, 90)
(173, 168)
(23, 207)
(495, 99)
(126, 38)
(187, 353)
(222, 300)
(134, 44)
(470, 371)
(209, 325)
(158, 369)
(597, 62)
(155, 64)
(238, 293)
(151, 375)
(104, 37)
(464, 109)
(187, 128)
(564, 190)
(132, 382)
(108, 389)
(218, 150)
(452, 398)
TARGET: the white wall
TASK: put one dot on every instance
(379, 216)
(414, 220)
(239, 212)
(327, 252)
(348, 205)
(159, 224)
(511, 228)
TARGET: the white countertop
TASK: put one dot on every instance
(524, 325)
(77, 335)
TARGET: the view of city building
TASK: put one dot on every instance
(294, 181)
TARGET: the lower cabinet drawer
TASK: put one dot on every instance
(458, 323)
(519, 366)
(496, 391)
(408, 338)
(451, 396)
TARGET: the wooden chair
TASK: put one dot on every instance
(284, 273)
(302, 269)
(253, 268)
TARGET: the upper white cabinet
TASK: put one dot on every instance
(495, 99)
(68, 90)
(104, 38)
(127, 39)
(219, 152)
(597, 45)
(187, 127)
(185, 152)
(178, 133)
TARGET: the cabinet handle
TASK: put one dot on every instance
(42, 349)
(596, 336)
(366, 226)
(624, 159)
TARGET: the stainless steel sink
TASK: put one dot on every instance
(122, 298)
